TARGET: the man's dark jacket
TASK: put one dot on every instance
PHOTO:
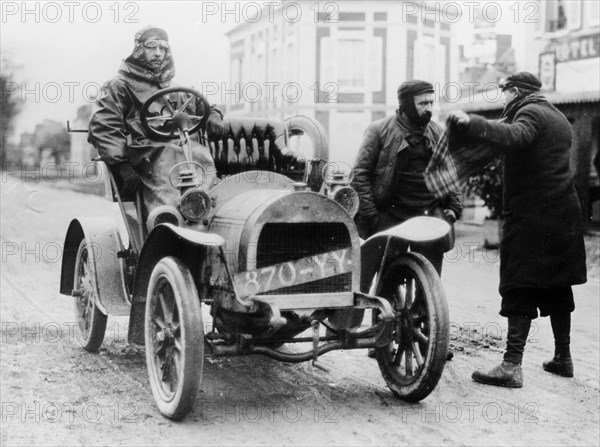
(381, 154)
(542, 239)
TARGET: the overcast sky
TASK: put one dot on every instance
(62, 63)
(63, 51)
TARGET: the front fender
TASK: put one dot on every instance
(190, 246)
(104, 242)
(388, 244)
(384, 247)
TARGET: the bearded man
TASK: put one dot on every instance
(115, 130)
(388, 171)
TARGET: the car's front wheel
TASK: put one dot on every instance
(413, 362)
(174, 338)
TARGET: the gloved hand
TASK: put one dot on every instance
(459, 118)
(131, 182)
(449, 215)
(214, 125)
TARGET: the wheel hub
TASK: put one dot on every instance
(404, 326)
(166, 336)
(166, 344)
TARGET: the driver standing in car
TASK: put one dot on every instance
(116, 131)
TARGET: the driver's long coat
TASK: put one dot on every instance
(116, 132)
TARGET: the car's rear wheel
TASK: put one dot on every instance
(90, 319)
(174, 338)
(413, 362)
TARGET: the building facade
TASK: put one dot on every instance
(562, 41)
(340, 63)
(569, 66)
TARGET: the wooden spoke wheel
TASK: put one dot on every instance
(174, 338)
(413, 362)
(91, 320)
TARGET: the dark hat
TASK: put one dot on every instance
(148, 32)
(523, 79)
(412, 88)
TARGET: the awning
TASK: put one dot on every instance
(478, 102)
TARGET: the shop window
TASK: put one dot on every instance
(351, 56)
(426, 50)
(236, 71)
(594, 178)
(290, 63)
(592, 12)
(563, 15)
(353, 61)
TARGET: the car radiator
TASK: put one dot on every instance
(284, 242)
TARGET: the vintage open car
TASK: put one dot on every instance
(271, 255)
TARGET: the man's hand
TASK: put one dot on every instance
(450, 216)
(130, 179)
(214, 125)
(459, 118)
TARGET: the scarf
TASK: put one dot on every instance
(455, 159)
(511, 109)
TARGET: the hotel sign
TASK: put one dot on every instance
(548, 71)
(576, 48)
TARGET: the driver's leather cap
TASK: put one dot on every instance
(148, 33)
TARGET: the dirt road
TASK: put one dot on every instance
(54, 393)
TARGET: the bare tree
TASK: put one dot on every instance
(9, 105)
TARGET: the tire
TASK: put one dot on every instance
(174, 338)
(91, 320)
(413, 362)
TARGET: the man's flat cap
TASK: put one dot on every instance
(415, 87)
(523, 79)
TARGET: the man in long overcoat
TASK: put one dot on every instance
(542, 251)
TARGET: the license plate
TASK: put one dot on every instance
(286, 274)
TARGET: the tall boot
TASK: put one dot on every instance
(561, 364)
(509, 373)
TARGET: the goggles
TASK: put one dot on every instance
(162, 44)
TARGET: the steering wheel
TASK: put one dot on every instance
(173, 119)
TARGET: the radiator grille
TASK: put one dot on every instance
(282, 242)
